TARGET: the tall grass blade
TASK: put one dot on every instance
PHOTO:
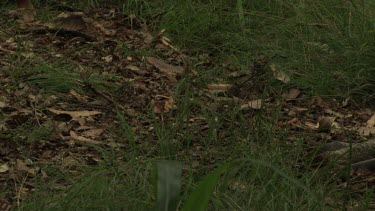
(199, 198)
(168, 185)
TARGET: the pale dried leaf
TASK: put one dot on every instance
(108, 58)
(371, 121)
(366, 131)
(331, 112)
(76, 114)
(78, 96)
(83, 139)
(3, 104)
(4, 168)
(279, 75)
(311, 125)
(221, 87)
(254, 104)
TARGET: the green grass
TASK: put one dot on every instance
(326, 46)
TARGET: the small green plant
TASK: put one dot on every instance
(169, 184)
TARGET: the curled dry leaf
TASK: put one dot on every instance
(254, 104)
(279, 75)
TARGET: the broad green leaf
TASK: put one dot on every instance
(199, 198)
(168, 185)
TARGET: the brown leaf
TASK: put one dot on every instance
(22, 166)
(76, 114)
(291, 94)
(71, 22)
(83, 139)
(93, 132)
(46, 154)
(136, 69)
(78, 96)
(148, 38)
(164, 104)
(5, 205)
(169, 104)
(254, 104)
(168, 70)
(326, 123)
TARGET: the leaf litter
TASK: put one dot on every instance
(106, 50)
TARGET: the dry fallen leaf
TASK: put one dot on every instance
(291, 94)
(279, 75)
(147, 36)
(78, 96)
(108, 58)
(311, 125)
(76, 114)
(4, 168)
(93, 132)
(3, 104)
(371, 121)
(326, 123)
(83, 139)
(168, 70)
(71, 22)
(163, 104)
(22, 166)
(136, 69)
(366, 131)
(221, 87)
(254, 104)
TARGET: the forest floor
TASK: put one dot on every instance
(90, 100)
